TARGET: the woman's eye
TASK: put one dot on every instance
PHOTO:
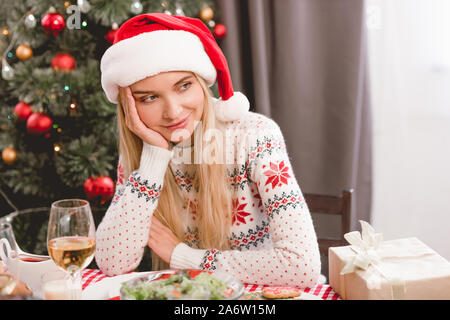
(148, 99)
(186, 85)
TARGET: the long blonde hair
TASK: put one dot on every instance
(214, 207)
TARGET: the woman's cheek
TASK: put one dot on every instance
(146, 115)
(196, 100)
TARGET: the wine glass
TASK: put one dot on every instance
(71, 236)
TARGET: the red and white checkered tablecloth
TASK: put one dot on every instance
(324, 291)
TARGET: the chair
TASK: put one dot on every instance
(333, 205)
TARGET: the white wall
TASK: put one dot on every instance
(409, 54)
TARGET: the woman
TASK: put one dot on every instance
(203, 182)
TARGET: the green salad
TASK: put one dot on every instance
(178, 286)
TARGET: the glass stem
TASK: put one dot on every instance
(75, 278)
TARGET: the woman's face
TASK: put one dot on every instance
(169, 103)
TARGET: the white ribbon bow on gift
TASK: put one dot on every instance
(365, 246)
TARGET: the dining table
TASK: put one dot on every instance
(91, 277)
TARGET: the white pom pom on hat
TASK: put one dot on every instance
(151, 43)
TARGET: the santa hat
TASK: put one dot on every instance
(151, 43)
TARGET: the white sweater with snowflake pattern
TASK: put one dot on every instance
(272, 238)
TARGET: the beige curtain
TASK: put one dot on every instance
(303, 63)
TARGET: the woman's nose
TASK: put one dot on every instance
(172, 109)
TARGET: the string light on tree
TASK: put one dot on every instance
(73, 109)
(56, 126)
(165, 8)
(5, 31)
(56, 147)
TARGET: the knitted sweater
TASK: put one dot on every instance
(272, 238)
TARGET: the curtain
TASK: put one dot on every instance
(303, 63)
(409, 54)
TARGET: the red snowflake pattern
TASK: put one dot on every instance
(238, 212)
(277, 174)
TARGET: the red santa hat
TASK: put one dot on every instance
(151, 43)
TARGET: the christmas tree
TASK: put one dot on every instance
(57, 129)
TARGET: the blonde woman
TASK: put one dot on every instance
(203, 182)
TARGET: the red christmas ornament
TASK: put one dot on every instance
(53, 23)
(23, 110)
(39, 123)
(63, 62)
(110, 35)
(220, 31)
(99, 187)
(89, 188)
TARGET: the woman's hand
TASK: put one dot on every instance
(162, 241)
(135, 124)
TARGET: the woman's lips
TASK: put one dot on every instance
(179, 125)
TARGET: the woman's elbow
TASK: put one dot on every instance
(302, 271)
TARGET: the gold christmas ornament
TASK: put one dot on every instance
(206, 14)
(9, 155)
(24, 52)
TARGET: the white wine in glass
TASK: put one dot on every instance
(71, 235)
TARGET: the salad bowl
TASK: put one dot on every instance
(182, 285)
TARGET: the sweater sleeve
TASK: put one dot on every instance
(294, 258)
(123, 232)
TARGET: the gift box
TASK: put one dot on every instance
(372, 269)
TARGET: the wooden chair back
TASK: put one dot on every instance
(333, 205)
